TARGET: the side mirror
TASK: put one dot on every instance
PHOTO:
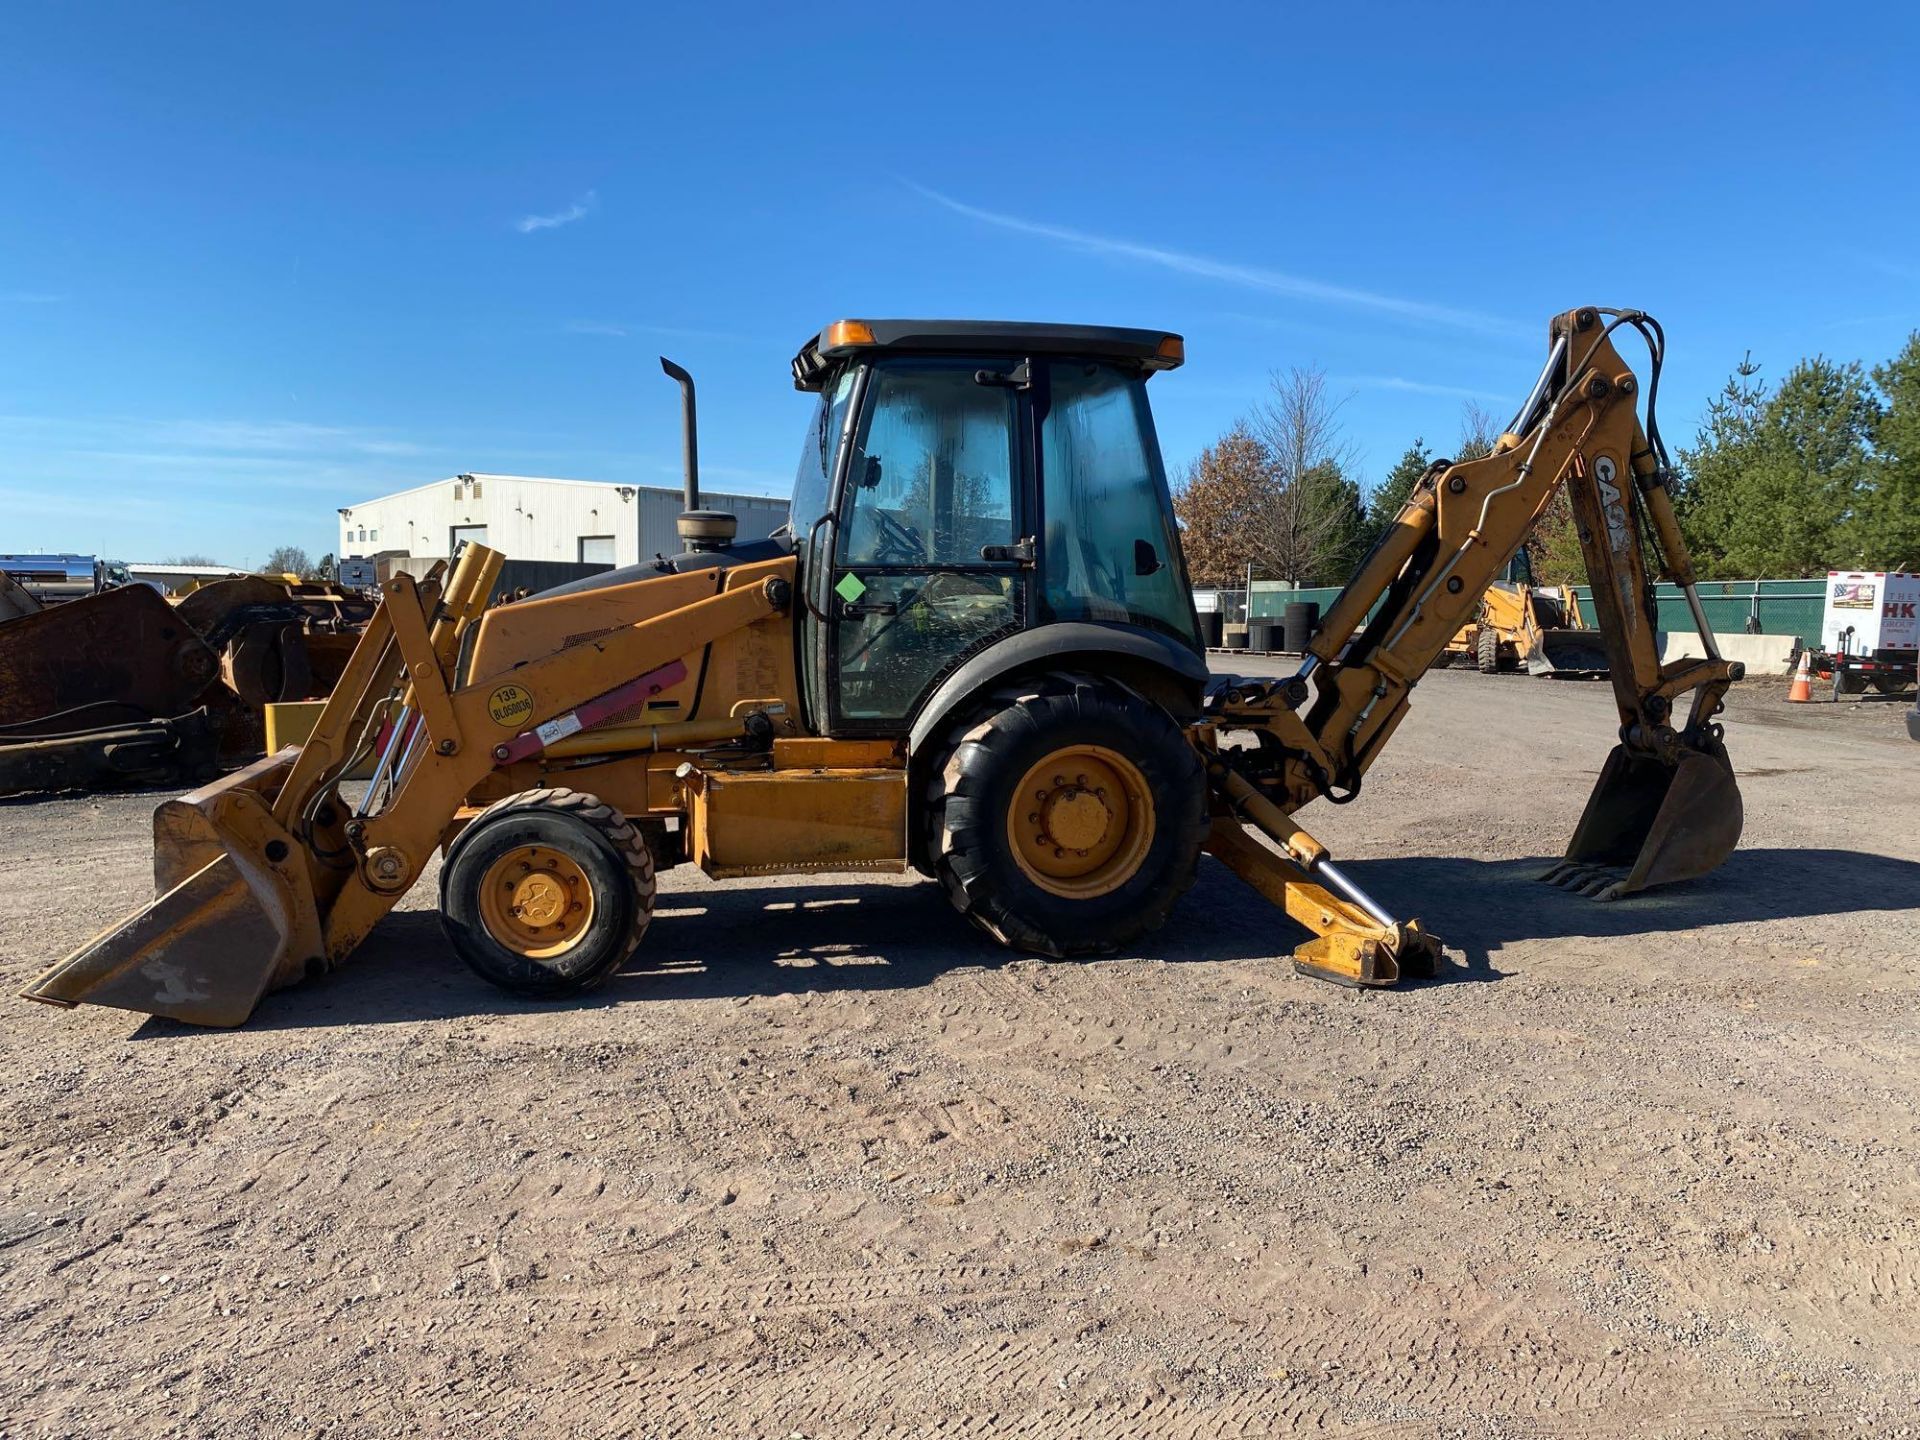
(1146, 560)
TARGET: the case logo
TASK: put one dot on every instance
(1619, 532)
(511, 706)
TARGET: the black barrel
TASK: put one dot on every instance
(1213, 624)
(1298, 622)
(1263, 633)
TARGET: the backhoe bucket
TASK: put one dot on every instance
(1649, 822)
(233, 914)
(1569, 654)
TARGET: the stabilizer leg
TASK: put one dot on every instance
(1351, 946)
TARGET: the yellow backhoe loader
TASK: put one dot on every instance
(1523, 625)
(974, 654)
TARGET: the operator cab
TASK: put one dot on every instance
(963, 481)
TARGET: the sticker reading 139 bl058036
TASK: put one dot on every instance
(511, 706)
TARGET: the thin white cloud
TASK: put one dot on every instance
(621, 331)
(1251, 277)
(578, 210)
(1415, 387)
(1885, 265)
(279, 448)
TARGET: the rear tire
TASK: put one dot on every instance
(1050, 761)
(1889, 684)
(547, 893)
(1488, 648)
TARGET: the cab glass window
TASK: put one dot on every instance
(1111, 551)
(932, 479)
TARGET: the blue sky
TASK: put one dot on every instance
(258, 262)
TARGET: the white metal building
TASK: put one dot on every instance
(527, 517)
(173, 579)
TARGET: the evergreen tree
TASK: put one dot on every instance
(1775, 484)
(1889, 519)
(1391, 494)
(1334, 496)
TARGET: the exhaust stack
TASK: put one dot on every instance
(698, 529)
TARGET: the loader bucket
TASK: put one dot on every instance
(1568, 654)
(1649, 822)
(233, 915)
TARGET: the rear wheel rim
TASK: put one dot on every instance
(1081, 821)
(536, 902)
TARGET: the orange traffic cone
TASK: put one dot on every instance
(1802, 688)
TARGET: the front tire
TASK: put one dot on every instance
(1067, 816)
(1489, 651)
(547, 893)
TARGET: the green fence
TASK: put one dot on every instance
(1735, 607)
(1771, 607)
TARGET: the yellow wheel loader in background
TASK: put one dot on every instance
(974, 655)
(1523, 625)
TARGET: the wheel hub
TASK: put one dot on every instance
(1074, 819)
(536, 901)
(1081, 821)
(539, 899)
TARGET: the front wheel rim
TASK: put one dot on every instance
(1081, 821)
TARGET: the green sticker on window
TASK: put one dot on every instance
(850, 588)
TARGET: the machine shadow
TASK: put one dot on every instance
(741, 940)
(1479, 906)
(735, 941)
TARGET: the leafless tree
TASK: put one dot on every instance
(1311, 525)
(1478, 430)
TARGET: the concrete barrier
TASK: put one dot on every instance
(1761, 654)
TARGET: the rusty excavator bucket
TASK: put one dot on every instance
(1651, 821)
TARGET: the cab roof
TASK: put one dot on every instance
(1150, 350)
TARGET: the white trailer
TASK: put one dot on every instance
(1870, 630)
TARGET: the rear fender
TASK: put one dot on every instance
(1159, 667)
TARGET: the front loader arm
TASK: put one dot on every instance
(275, 873)
(1666, 806)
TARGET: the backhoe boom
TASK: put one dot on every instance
(1666, 806)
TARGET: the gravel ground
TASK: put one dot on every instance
(831, 1166)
